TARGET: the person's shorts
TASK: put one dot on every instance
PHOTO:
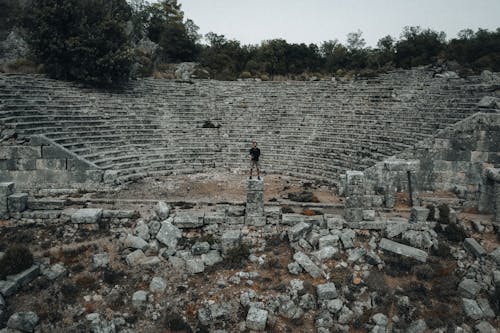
(254, 164)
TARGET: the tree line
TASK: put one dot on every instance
(104, 42)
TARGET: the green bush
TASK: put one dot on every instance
(237, 257)
(444, 214)
(17, 258)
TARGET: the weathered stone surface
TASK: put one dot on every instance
(18, 202)
(169, 234)
(195, 266)
(211, 258)
(354, 183)
(326, 291)
(157, 284)
(292, 219)
(495, 254)
(25, 276)
(307, 264)
(55, 271)
(404, 250)
(100, 260)
(472, 309)
(353, 214)
(135, 258)
(256, 319)
(200, 248)
(188, 220)
(328, 240)
(418, 326)
(230, 239)
(471, 245)
(335, 305)
(87, 216)
(255, 220)
(469, 288)
(395, 227)
(347, 238)
(325, 253)
(418, 214)
(162, 210)
(334, 221)
(8, 288)
(484, 304)
(142, 230)
(298, 231)
(485, 327)
(135, 242)
(355, 254)
(368, 215)
(380, 319)
(294, 268)
(23, 321)
(140, 299)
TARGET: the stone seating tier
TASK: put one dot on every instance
(310, 129)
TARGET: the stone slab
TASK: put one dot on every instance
(404, 250)
(307, 264)
(471, 245)
(298, 231)
(189, 220)
(256, 319)
(25, 276)
(418, 214)
(230, 239)
(87, 216)
(326, 291)
(17, 202)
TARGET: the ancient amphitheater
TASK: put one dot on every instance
(127, 263)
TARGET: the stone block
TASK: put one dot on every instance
(230, 239)
(354, 183)
(8, 288)
(135, 258)
(17, 202)
(215, 218)
(110, 177)
(418, 214)
(255, 185)
(188, 220)
(484, 304)
(347, 238)
(326, 291)
(292, 219)
(469, 288)
(334, 221)
(25, 276)
(211, 258)
(368, 225)
(19, 152)
(135, 242)
(368, 215)
(51, 152)
(485, 327)
(195, 266)
(6, 189)
(140, 299)
(353, 214)
(255, 220)
(162, 210)
(46, 204)
(87, 216)
(100, 260)
(404, 250)
(471, 245)
(298, 231)
(472, 309)
(307, 264)
(169, 234)
(256, 319)
(325, 253)
(495, 255)
(23, 321)
(50, 164)
(328, 240)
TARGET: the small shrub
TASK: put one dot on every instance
(432, 212)
(175, 322)
(416, 291)
(303, 196)
(308, 212)
(443, 251)
(111, 277)
(445, 288)
(424, 272)
(376, 282)
(397, 265)
(246, 75)
(237, 257)
(286, 210)
(86, 282)
(444, 213)
(17, 258)
(455, 233)
(340, 276)
(209, 124)
(70, 292)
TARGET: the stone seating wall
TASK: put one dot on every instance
(315, 130)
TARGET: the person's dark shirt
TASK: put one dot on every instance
(255, 153)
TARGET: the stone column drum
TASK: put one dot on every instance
(255, 203)
(6, 189)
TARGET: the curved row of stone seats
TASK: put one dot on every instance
(318, 129)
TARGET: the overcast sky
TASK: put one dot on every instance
(314, 21)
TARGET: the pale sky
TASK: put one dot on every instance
(314, 21)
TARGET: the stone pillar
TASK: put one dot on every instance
(354, 192)
(255, 203)
(6, 189)
(497, 203)
(493, 175)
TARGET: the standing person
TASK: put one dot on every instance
(254, 159)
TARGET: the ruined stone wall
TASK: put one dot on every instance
(453, 160)
(43, 164)
(313, 130)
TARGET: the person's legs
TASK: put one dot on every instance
(251, 168)
(257, 165)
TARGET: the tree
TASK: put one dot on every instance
(83, 40)
(419, 47)
(355, 41)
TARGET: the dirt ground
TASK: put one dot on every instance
(218, 187)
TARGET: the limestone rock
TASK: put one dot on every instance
(169, 234)
(162, 210)
(256, 319)
(471, 245)
(87, 216)
(469, 288)
(195, 266)
(404, 250)
(298, 231)
(307, 264)
(188, 220)
(472, 309)
(326, 291)
(485, 327)
(157, 284)
(230, 239)
(23, 321)
(135, 242)
(140, 299)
